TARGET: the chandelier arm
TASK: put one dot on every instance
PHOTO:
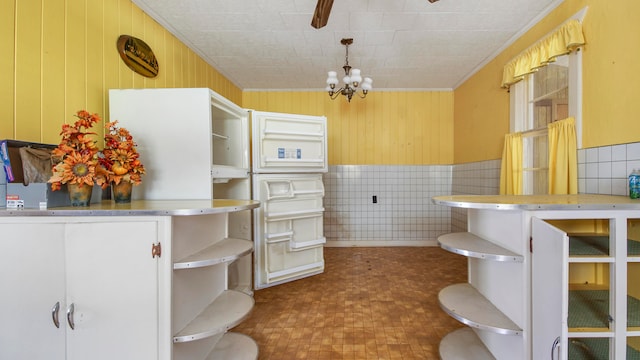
(361, 96)
(336, 93)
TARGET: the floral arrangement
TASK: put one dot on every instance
(77, 155)
(120, 158)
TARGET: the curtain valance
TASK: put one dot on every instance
(563, 40)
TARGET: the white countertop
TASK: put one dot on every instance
(141, 208)
(539, 202)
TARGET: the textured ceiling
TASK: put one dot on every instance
(401, 44)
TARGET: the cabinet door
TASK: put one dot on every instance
(32, 282)
(288, 227)
(550, 297)
(113, 284)
(288, 143)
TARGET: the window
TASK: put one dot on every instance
(550, 94)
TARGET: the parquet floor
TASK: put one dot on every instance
(370, 303)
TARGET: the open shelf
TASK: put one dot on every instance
(465, 304)
(234, 346)
(595, 348)
(470, 245)
(226, 311)
(594, 246)
(589, 311)
(225, 250)
(463, 344)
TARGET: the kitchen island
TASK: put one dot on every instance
(552, 274)
(145, 280)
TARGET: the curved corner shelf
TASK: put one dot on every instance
(234, 346)
(470, 245)
(463, 344)
(465, 304)
(225, 250)
(226, 311)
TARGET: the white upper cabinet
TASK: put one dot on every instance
(188, 140)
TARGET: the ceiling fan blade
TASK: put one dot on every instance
(321, 15)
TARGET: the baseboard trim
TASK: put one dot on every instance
(380, 243)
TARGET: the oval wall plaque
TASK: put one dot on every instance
(137, 55)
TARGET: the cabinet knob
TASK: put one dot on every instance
(70, 311)
(54, 314)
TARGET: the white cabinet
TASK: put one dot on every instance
(193, 142)
(585, 270)
(562, 268)
(70, 288)
(195, 145)
(149, 280)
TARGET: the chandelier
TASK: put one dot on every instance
(352, 79)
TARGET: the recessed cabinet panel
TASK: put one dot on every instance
(32, 281)
(96, 267)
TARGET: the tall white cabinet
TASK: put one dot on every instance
(149, 280)
(196, 144)
(550, 277)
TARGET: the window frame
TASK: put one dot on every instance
(521, 111)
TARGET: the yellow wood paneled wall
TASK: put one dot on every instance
(386, 128)
(60, 56)
(611, 82)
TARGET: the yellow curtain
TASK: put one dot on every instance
(511, 167)
(563, 40)
(563, 157)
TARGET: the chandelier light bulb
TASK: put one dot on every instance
(367, 84)
(355, 77)
(332, 78)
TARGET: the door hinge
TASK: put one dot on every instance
(531, 244)
(156, 250)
